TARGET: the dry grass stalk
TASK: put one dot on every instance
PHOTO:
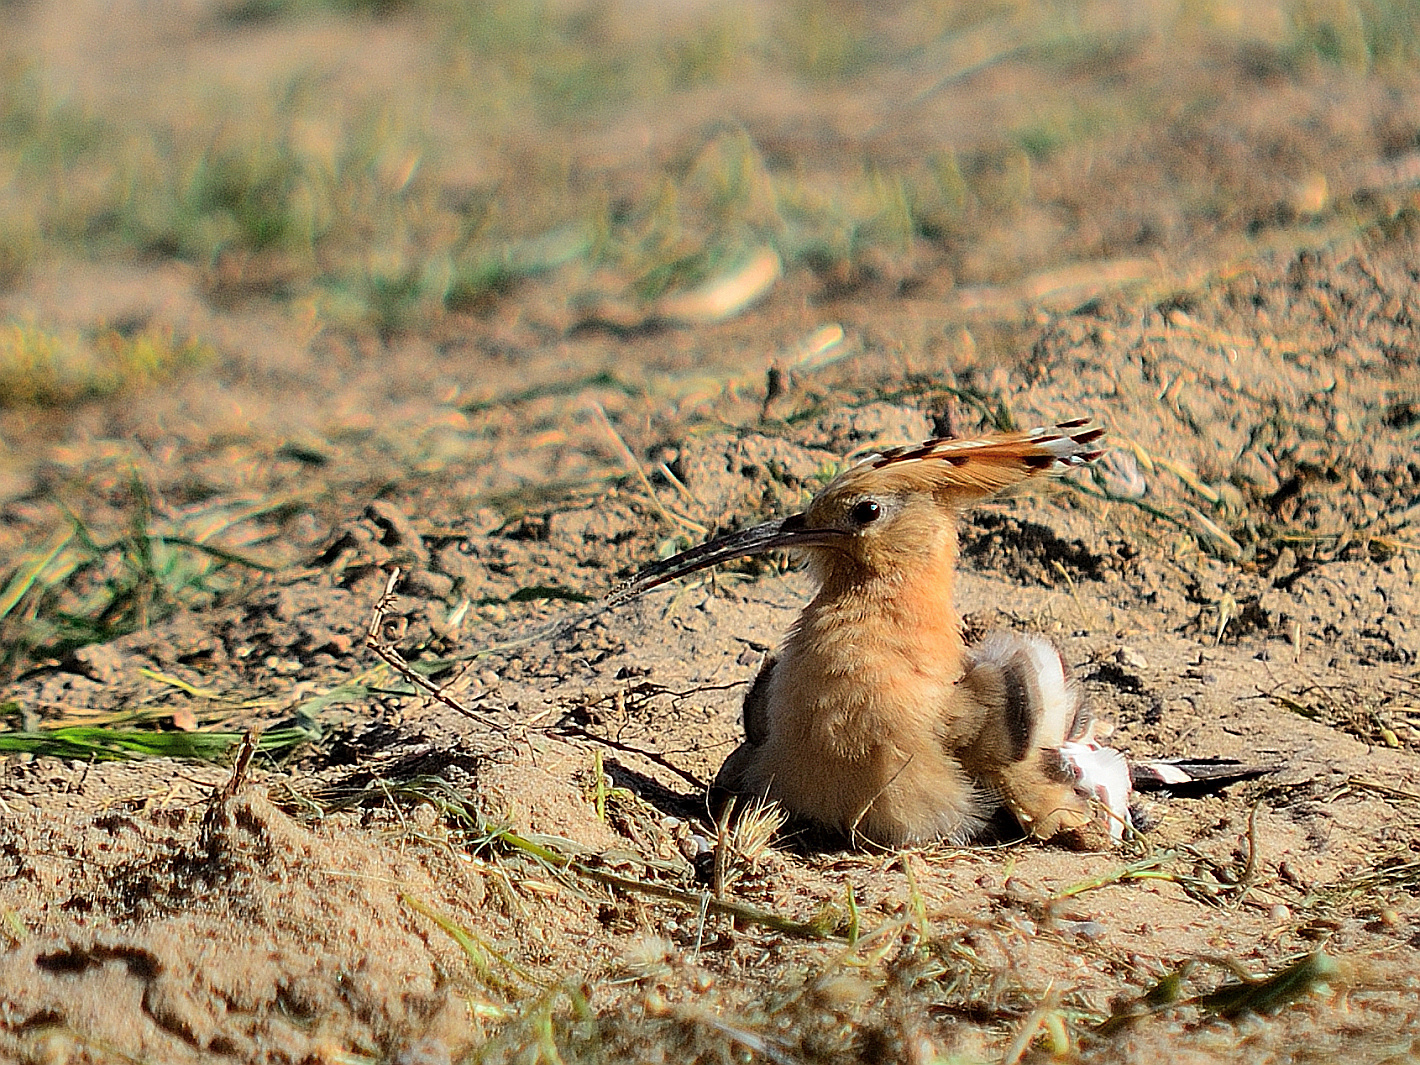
(376, 639)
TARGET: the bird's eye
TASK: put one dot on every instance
(865, 512)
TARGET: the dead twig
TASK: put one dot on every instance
(616, 745)
(377, 642)
(694, 900)
(680, 521)
(215, 816)
(1362, 784)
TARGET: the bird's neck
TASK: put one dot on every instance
(864, 622)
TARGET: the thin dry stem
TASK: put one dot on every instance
(375, 641)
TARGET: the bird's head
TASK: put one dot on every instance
(892, 508)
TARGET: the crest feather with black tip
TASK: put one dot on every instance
(960, 470)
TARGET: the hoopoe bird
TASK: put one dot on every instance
(874, 719)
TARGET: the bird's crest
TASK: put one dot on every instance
(970, 468)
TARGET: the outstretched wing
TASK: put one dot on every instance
(1035, 742)
(1191, 776)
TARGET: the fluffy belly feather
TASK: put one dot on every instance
(860, 752)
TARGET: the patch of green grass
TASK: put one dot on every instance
(248, 198)
(562, 63)
(18, 244)
(284, 199)
(1053, 132)
(43, 133)
(483, 271)
(254, 12)
(102, 744)
(824, 41)
(726, 198)
(246, 188)
(392, 296)
(45, 368)
(84, 587)
(288, 198)
(55, 157)
(273, 199)
(1354, 34)
(537, 56)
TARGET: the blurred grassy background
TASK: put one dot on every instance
(403, 160)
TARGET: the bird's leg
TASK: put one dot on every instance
(1029, 715)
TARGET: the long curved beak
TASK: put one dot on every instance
(785, 533)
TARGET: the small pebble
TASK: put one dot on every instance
(1127, 656)
(1279, 913)
(1090, 930)
(1119, 472)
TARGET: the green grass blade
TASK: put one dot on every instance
(26, 576)
(97, 743)
(221, 554)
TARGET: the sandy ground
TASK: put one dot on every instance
(528, 881)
